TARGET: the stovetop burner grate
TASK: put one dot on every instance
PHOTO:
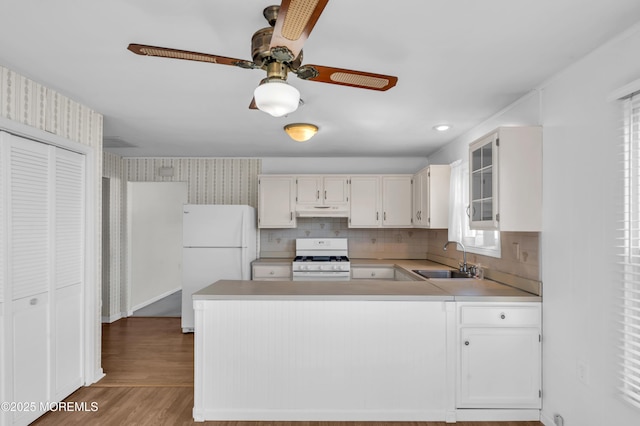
(321, 259)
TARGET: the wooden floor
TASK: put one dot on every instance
(148, 364)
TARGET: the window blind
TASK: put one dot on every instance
(629, 254)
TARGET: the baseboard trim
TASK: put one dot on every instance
(545, 420)
(153, 300)
(112, 318)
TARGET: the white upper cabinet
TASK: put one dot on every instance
(381, 200)
(397, 199)
(276, 201)
(335, 190)
(322, 190)
(431, 197)
(369, 201)
(505, 180)
(366, 201)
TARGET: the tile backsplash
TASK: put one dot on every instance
(520, 250)
(374, 243)
(520, 253)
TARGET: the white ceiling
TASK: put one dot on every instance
(457, 62)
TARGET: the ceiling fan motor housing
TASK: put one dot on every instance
(262, 54)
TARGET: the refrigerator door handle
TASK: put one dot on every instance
(243, 244)
(243, 259)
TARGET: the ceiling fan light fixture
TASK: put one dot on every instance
(301, 132)
(276, 97)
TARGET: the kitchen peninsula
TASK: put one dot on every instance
(369, 350)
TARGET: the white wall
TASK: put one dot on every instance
(580, 166)
(582, 131)
(523, 112)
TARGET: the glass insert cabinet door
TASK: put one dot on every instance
(483, 183)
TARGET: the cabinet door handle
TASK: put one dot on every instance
(384, 216)
(33, 301)
(377, 216)
(502, 316)
(290, 216)
(325, 194)
(468, 215)
(373, 274)
(318, 194)
(466, 343)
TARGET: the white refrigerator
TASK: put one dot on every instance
(219, 242)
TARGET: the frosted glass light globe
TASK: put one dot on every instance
(277, 98)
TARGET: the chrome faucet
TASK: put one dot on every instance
(464, 267)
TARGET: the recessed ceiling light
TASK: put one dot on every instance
(442, 127)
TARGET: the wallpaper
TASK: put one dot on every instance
(113, 295)
(209, 181)
(25, 101)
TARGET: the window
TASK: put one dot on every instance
(629, 253)
(480, 242)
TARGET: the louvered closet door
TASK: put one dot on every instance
(68, 200)
(29, 186)
(29, 217)
(44, 192)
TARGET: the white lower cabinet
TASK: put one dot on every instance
(499, 355)
(266, 272)
(373, 272)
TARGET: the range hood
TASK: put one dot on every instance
(322, 211)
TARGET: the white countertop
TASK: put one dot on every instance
(462, 289)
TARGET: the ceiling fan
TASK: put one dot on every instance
(278, 50)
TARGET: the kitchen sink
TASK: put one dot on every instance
(441, 273)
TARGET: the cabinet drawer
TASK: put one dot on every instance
(379, 273)
(500, 315)
(262, 272)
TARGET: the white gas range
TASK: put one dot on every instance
(321, 259)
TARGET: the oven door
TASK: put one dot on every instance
(321, 276)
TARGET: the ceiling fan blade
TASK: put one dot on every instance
(361, 79)
(165, 52)
(296, 19)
